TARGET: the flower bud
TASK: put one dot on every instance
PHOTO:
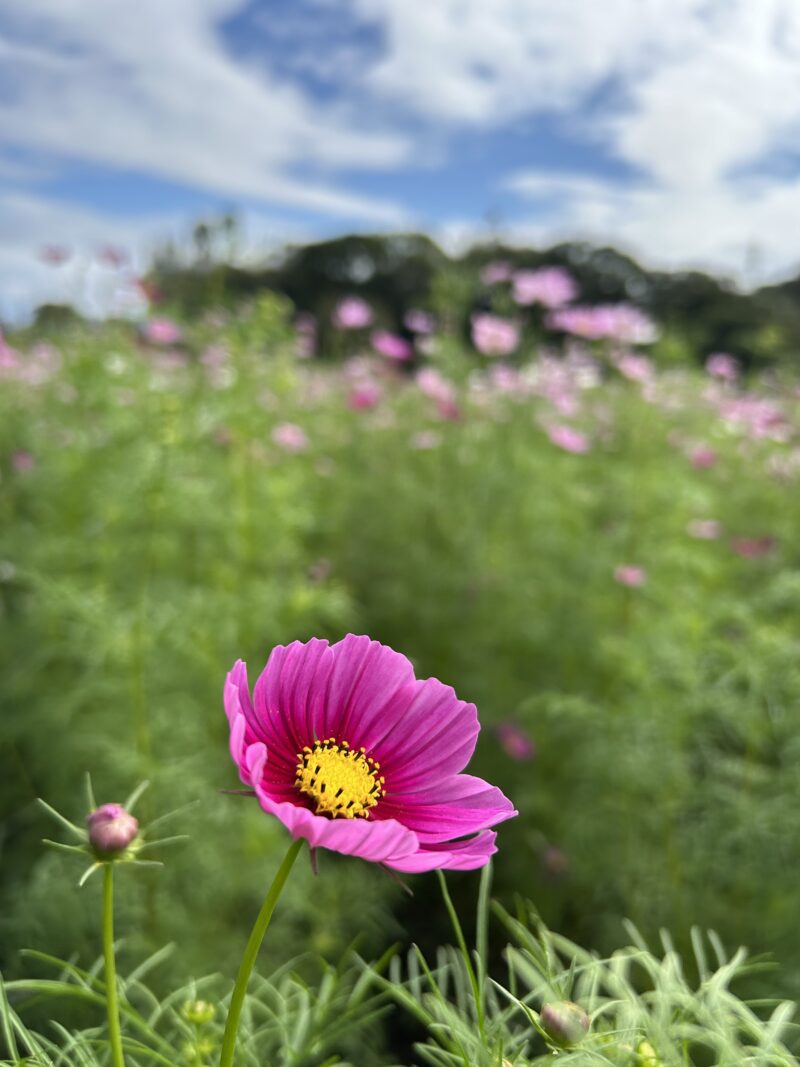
(198, 1012)
(565, 1022)
(111, 829)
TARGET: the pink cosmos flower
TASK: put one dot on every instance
(391, 345)
(290, 437)
(494, 273)
(161, 332)
(493, 336)
(353, 753)
(54, 255)
(515, 741)
(627, 574)
(552, 287)
(753, 547)
(419, 321)
(703, 457)
(704, 529)
(721, 365)
(22, 461)
(364, 396)
(352, 313)
(569, 439)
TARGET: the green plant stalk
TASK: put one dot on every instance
(477, 990)
(251, 952)
(112, 1005)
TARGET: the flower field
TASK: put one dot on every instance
(592, 541)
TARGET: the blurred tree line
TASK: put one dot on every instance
(696, 312)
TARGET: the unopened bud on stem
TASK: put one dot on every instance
(111, 829)
(565, 1022)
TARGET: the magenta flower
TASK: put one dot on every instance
(552, 287)
(364, 396)
(352, 313)
(290, 437)
(495, 273)
(493, 336)
(630, 575)
(703, 457)
(111, 829)
(721, 365)
(515, 741)
(353, 753)
(22, 461)
(753, 547)
(161, 332)
(391, 345)
(569, 439)
(419, 321)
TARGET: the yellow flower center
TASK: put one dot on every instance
(343, 782)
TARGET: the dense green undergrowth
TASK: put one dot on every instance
(158, 522)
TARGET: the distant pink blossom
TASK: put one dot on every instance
(756, 416)
(425, 440)
(704, 529)
(54, 255)
(495, 273)
(161, 332)
(552, 287)
(112, 256)
(702, 457)
(492, 335)
(391, 345)
(417, 321)
(753, 547)
(364, 396)
(615, 322)
(516, 743)
(569, 439)
(290, 437)
(630, 575)
(634, 367)
(555, 863)
(352, 313)
(22, 461)
(721, 365)
(306, 335)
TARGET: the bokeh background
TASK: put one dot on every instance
(470, 326)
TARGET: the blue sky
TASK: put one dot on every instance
(665, 127)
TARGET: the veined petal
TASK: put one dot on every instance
(374, 841)
(460, 805)
(455, 856)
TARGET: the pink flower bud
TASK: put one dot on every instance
(565, 1022)
(111, 829)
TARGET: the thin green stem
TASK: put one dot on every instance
(477, 990)
(251, 952)
(112, 1005)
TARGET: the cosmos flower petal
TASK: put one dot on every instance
(461, 805)
(289, 698)
(373, 841)
(454, 856)
(432, 738)
(364, 686)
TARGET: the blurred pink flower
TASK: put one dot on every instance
(364, 396)
(569, 439)
(614, 322)
(493, 336)
(306, 335)
(516, 743)
(721, 365)
(434, 385)
(419, 321)
(352, 313)
(555, 863)
(112, 256)
(391, 345)
(552, 287)
(753, 547)
(703, 457)
(425, 440)
(630, 575)
(494, 273)
(54, 255)
(161, 332)
(22, 461)
(634, 367)
(704, 529)
(290, 437)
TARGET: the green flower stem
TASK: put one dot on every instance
(112, 1005)
(250, 953)
(477, 988)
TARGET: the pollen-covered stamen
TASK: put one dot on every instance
(342, 781)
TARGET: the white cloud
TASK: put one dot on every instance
(149, 87)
